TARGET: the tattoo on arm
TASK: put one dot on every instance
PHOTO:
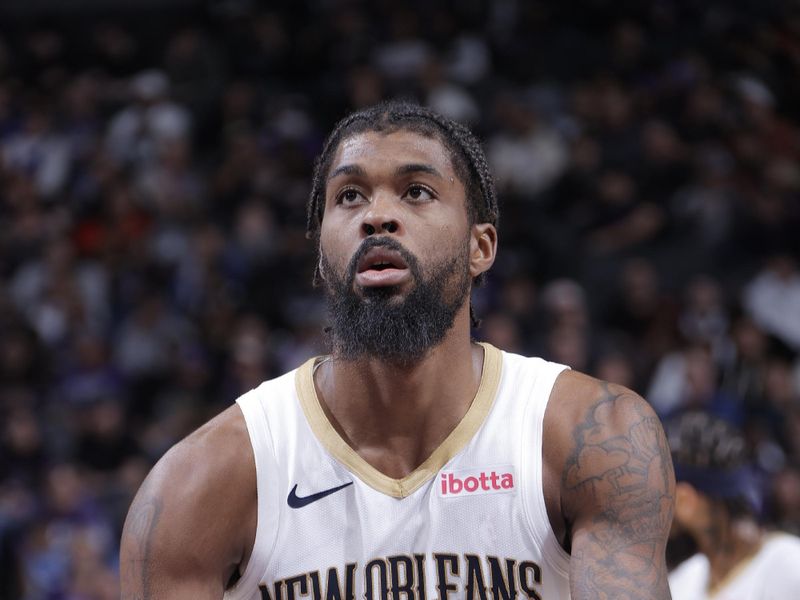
(621, 470)
(135, 567)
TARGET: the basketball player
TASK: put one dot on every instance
(411, 463)
(718, 498)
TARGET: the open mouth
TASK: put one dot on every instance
(381, 266)
(381, 259)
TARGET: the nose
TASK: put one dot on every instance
(388, 227)
(380, 218)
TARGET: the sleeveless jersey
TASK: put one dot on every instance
(770, 574)
(469, 523)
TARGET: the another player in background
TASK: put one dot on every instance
(718, 500)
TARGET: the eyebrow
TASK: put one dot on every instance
(347, 170)
(359, 171)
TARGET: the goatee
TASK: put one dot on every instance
(380, 324)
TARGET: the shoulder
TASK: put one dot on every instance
(208, 460)
(603, 437)
(782, 543)
(585, 411)
(781, 552)
(577, 395)
(191, 512)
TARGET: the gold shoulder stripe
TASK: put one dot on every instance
(452, 445)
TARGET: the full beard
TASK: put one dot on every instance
(379, 323)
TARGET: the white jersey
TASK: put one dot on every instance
(771, 574)
(468, 523)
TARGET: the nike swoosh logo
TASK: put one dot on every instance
(295, 501)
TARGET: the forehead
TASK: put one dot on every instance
(375, 150)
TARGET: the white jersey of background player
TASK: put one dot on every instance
(404, 211)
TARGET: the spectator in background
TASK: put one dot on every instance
(60, 293)
(147, 343)
(772, 298)
(719, 499)
(703, 211)
(568, 336)
(527, 155)
(786, 493)
(641, 308)
(704, 317)
(446, 97)
(137, 132)
(39, 150)
(689, 379)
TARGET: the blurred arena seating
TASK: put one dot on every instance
(154, 166)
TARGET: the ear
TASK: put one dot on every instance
(688, 503)
(482, 248)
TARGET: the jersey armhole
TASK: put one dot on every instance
(267, 506)
(532, 463)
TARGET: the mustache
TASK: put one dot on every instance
(382, 242)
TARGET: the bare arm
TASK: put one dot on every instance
(192, 522)
(617, 495)
(136, 552)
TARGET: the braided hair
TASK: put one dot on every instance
(700, 439)
(469, 161)
(466, 154)
(714, 456)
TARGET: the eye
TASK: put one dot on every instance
(349, 196)
(419, 193)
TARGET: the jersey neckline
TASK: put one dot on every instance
(452, 444)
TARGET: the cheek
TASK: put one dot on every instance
(332, 246)
(447, 225)
(450, 237)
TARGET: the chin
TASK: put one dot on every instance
(393, 294)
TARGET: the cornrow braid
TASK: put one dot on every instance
(713, 456)
(702, 440)
(469, 160)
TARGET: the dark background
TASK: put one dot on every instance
(155, 160)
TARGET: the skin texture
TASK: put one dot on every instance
(185, 533)
(606, 453)
(608, 478)
(401, 185)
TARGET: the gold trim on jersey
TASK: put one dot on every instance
(452, 445)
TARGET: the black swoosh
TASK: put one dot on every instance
(295, 501)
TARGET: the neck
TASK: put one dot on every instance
(727, 544)
(395, 416)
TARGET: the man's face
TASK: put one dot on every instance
(394, 245)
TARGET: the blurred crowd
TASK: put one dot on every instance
(154, 169)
